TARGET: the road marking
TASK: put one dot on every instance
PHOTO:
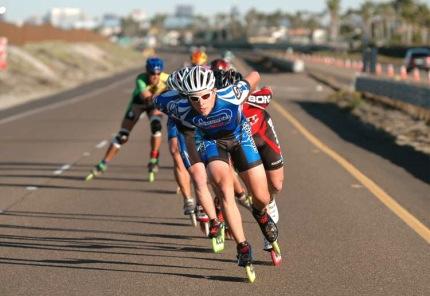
(86, 154)
(377, 191)
(31, 188)
(101, 144)
(62, 169)
(64, 103)
(65, 167)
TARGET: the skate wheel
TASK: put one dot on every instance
(193, 219)
(276, 258)
(218, 242)
(250, 273)
(151, 177)
(89, 177)
(276, 248)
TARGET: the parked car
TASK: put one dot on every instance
(417, 58)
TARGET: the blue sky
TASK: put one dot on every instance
(20, 9)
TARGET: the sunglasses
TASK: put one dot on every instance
(203, 97)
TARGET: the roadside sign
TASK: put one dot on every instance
(3, 53)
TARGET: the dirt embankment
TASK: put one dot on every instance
(405, 129)
(40, 69)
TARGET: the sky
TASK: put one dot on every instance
(18, 10)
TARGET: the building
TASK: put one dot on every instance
(184, 11)
(70, 18)
(110, 25)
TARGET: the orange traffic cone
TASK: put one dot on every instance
(390, 70)
(416, 74)
(378, 69)
(403, 73)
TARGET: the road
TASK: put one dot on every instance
(120, 235)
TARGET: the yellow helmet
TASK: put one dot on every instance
(199, 58)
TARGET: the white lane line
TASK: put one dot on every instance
(66, 167)
(62, 169)
(86, 153)
(31, 188)
(64, 103)
(101, 144)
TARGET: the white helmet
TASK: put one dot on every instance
(175, 80)
(198, 79)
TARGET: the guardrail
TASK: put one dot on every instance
(407, 95)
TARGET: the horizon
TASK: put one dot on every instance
(19, 10)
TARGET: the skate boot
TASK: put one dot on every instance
(275, 255)
(244, 259)
(203, 218)
(268, 228)
(217, 235)
(245, 200)
(272, 210)
(99, 169)
(218, 209)
(189, 209)
(152, 169)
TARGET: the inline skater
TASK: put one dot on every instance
(264, 135)
(220, 64)
(226, 133)
(243, 198)
(198, 58)
(148, 84)
(181, 174)
(190, 158)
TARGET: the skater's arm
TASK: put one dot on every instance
(253, 79)
(146, 95)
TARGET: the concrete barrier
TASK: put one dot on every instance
(418, 95)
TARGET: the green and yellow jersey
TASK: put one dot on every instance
(142, 84)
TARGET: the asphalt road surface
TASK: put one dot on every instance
(355, 208)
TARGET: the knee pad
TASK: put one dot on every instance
(121, 138)
(156, 126)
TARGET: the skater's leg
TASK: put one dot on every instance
(120, 139)
(155, 124)
(255, 178)
(182, 176)
(199, 177)
(223, 178)
(275, 179)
